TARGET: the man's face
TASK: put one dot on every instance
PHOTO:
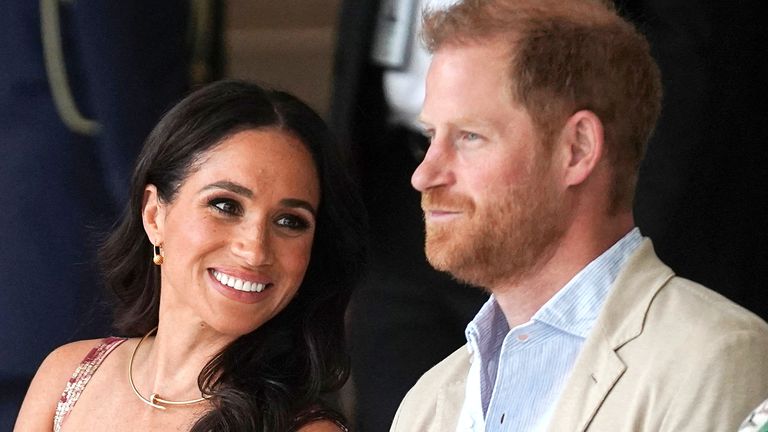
(492, 207)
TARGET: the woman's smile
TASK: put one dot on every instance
(239, 284)
(242, 290)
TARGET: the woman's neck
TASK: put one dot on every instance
(170, 363)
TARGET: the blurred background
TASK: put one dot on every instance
(287, 43)
(83, 81)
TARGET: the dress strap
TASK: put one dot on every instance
(80, 378)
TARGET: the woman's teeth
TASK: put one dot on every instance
(238, 284)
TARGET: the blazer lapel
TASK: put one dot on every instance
(594, 375)
(598, 367)
(450, 400)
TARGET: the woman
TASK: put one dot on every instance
(231, 326)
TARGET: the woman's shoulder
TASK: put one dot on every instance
(70, 354)
(59, 365)
(64, 360)
(50, 381)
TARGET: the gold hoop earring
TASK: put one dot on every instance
(158, 256)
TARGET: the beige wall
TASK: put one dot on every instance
(287, 44)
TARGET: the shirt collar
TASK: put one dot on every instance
(573, 309)
(487, 330)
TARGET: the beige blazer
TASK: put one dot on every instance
(665, 354)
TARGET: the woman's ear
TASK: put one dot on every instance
(584, 139)
(153, 215)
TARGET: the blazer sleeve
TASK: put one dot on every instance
(723, 387)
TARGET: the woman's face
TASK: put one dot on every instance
(237, 237)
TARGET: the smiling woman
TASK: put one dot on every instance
(236, 239)
(231, 271)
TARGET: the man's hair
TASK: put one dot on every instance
(566, 56)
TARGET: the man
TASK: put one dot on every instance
(538, 113)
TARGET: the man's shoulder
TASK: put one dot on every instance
(687, 302)
(451, 371)
(437, 396)
(699, 355)
(683, 314)
(665, 341)
(648, 295)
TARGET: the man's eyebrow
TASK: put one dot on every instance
(461, 121)
(230, 186)
(295, 202)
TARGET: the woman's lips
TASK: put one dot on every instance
(240, 289)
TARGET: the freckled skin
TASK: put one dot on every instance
(251, 244)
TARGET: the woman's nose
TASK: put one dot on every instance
(253, 245)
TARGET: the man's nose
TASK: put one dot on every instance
(434, 170)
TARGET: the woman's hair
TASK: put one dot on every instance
(270, 379)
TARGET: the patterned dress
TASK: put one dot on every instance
(82, 375)
(80, 378)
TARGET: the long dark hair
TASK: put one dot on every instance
(273, 378)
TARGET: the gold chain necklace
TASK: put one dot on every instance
(154, 400)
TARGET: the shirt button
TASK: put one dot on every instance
(522, 337)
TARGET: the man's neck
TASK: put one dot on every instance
(521, 298)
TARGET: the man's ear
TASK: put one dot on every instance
(153, 215)
(584, 144)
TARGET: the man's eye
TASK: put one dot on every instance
(470, 136)
(292, 222)
(227, 206)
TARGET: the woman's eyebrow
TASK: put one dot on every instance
(230, 186)
(295, 202)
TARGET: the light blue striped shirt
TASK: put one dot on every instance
(517, 375)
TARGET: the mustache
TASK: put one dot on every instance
(442, 200)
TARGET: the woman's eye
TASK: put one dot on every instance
(227, 206)
(292, 222)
